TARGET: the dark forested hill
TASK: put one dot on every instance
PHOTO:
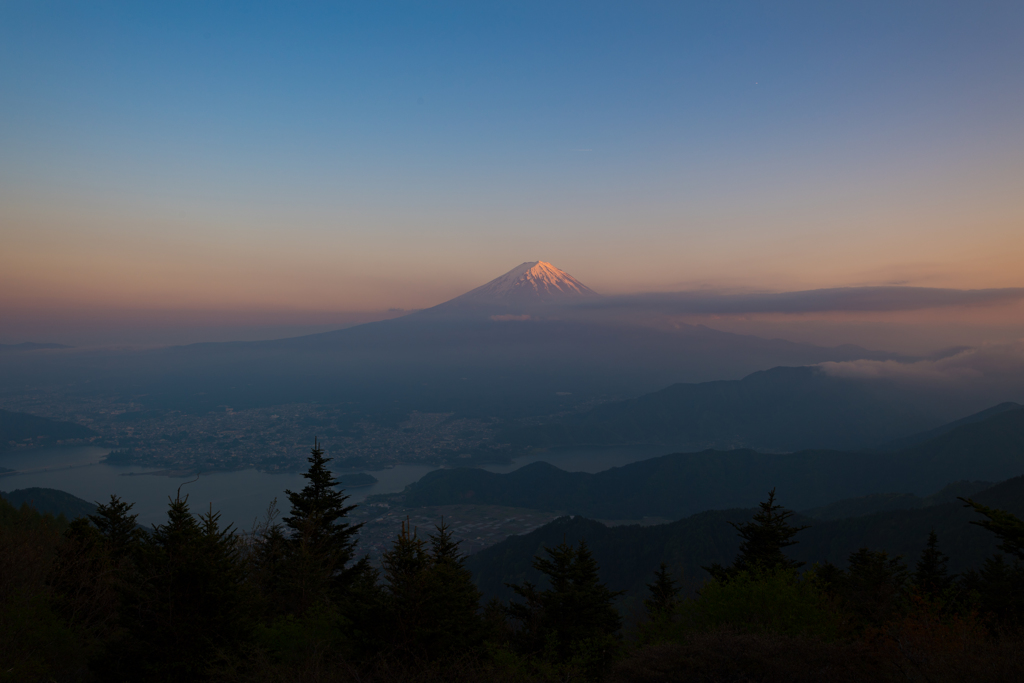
(884, 502)
(629, 555)
(991, 449)
(50, 501)
(23, 428)
(782, 409)
(923, 437)
(673, 486)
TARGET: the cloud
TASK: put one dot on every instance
(1000, 363)
(843, 299)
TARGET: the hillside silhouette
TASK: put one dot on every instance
(680, 484)
(24, 429)
(781, 409)
(630, 554)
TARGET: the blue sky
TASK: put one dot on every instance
(202, 154)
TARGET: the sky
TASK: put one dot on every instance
(306, 165)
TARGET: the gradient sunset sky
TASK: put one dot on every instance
(320, 157)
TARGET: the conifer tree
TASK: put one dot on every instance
(998, 593)
(98, 581)
(187, 606)
(265, 558)
(1000, 585)
(86, 580)
(576, 611)
(1006, 526)
(453, 599)
(931, 576)
(663, 594)
(764, 537)
(874, 586)
(444, 549)
(432, 602)
(405, 568)
(117, 526)
(321, 543)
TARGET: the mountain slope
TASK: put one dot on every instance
(629, 555)
(917, 439)
(782, 409)
(50, 501)
(992, 449)
(25, 429)
(472, 365)
(885, 502)
(680, 484)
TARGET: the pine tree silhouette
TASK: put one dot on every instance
(433, 603)
(453, 599)
(576, 609)
(321, 543)
(187, 606)
(663, 594)
(931, 576)
(874, 586)
(117, 526)
(764, 537)
(1006, 526)
(405, 574)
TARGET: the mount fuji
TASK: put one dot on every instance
(533, 341)
(535, 283)
(529, 340)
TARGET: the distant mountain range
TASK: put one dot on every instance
(24, 429)
(782, 409)
(673, 486)
(886, 502)
(916, 439)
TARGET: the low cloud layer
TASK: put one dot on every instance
(843, 299)
(997, 363)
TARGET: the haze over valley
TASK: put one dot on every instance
(523, 362)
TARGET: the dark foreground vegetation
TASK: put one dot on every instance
(100, 599)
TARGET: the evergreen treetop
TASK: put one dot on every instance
(317, 514)
(117, 526)
(930, 575)
(663, 594)
(576, 609)
(186, 596)
(443, 546)
(433, 603)
(1006, 526)
(764, 537)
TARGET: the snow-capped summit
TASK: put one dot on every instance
(535, 282)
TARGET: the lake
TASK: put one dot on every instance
(241, 496)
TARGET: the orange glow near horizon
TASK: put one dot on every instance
(52, 261)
